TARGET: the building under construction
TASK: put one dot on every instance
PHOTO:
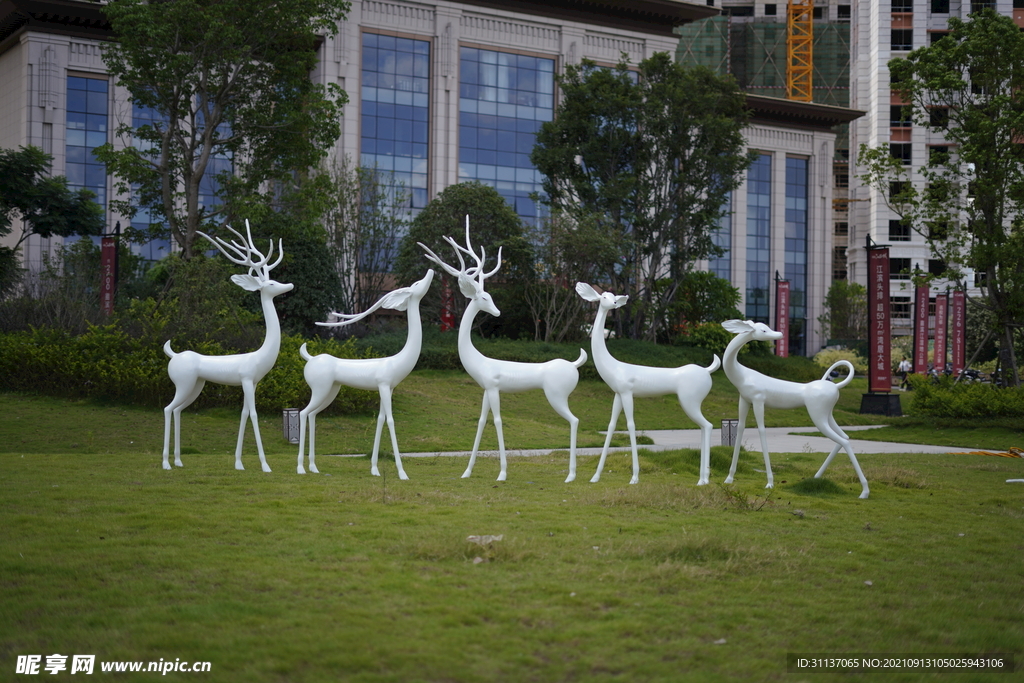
(798, 50)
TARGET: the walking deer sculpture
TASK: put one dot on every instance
(326, 374)
(690, 383)
(191, 371)
(558, 377)
(819, 397)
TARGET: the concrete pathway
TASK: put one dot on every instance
(780, 440)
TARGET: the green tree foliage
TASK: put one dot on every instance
(366, 217)
(846, 311)
(44, 204)
(567, 251)
(226, 80)
(704, 297)
(653, 154)
(493, 224)
(967, 199)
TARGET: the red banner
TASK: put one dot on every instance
(108, 271)
(921, 330)
(782, 317)
(941, 325)
(958, 336)
(880, 373)
(447, 304)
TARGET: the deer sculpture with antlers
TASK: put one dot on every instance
(819, 397)
(690, 383)
(191, 371)
(326, 374)
(558, 377)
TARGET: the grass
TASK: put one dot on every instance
(344, 576)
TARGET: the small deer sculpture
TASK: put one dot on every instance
(819, 397)
(690, 383)
(558, 378)
(326, 374)
(191, 371)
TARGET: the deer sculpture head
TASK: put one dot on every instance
(471, 280)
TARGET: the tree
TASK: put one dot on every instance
(227, 86)
(493, 224)
(967, 199)
(704, 298)
(846, 311)
(567, 251)
(366, 217)
(45, 204)
(654, 154)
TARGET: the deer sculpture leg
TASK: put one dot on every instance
(386, 415)
(830, 429)
(485, 408)
(691, 406)
(559, 400)
(249, 411)
(323, 394)
(740, 425)
(173, 410)
(759, 417)
(616, 409)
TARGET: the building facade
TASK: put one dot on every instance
(885, 29)
(442, 92)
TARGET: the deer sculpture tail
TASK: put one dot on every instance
(304, 353)
(167, 349)
(715, 364)
(849, 375)
(582, 359)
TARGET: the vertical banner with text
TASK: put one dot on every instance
(782, 317)
(958, 337)
(880, 372)
(941, 326)
(921, 330)
(108, 272)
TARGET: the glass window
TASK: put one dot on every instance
(899, 231)
(504, 98)
(899, 307)
(759, 212)
(899, 116)
(902, 151)
(940, 6)
(87, 115)
(899, 269)
(722, 237)
(902, 39)
(796, 250)
(395, 111)
(903, 6)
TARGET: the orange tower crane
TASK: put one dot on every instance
(800, 50)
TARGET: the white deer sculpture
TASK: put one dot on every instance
(819, 397)
(326, 374)
(690, 383)
(190, 371)
(558, 377)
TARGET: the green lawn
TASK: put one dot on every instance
(344, 576)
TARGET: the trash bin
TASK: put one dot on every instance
(729, 428)
(291, 425)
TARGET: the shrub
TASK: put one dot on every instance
(106, 363)
(827, 357)
(943, 399)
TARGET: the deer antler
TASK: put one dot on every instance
(243, 253)
(392, 300)
(476, 271)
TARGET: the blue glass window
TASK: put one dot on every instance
(144, 218)
(722, 237)
(796, 251)
(395, 110)
(87, 114)
(759, 219)
(503, 100)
